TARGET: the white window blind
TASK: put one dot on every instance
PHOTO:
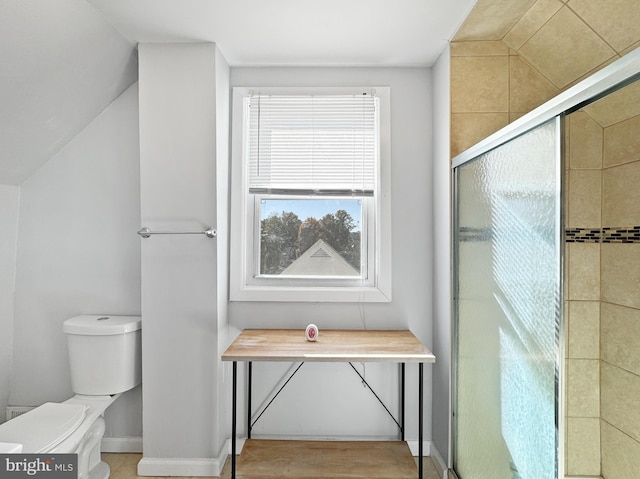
(313, 144)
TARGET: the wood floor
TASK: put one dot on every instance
(270, 459)
(125, 466)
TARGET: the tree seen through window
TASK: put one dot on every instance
(285, 237)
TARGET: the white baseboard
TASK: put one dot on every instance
(426, 448)
(239, 445)
(162, 466)
(439, 462)
(121, 444)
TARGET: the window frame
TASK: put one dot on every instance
(244, 248)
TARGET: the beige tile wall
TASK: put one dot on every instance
(479, 80)
(603, 357)
(508, 58)
(511, 56)
(490, 87)
(620, 453)
(583, 180)
(621, 337)
(620, 307)
(584, 436)
(603, 292)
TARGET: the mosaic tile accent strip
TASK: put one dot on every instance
(625, 234)
(630, 234)
(583, 235)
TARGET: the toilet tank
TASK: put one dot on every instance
(104, 353)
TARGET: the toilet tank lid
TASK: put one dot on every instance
(101, 324)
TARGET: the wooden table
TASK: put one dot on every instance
(332, 346)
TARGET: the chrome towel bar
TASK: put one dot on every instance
(209, 233)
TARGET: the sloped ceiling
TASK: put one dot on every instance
(62, 64)
(64, 61)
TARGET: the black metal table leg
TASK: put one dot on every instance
(402, 368)
(420, 419)
(233, 420)
(250, 374)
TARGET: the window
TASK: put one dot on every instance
(310, 192)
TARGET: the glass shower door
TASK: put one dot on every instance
(507, 307)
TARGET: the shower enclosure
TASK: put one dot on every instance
(547, 289)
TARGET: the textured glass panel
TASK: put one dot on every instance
(507, 247)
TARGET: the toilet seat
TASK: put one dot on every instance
(44, 427)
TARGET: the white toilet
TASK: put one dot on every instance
(105, 360)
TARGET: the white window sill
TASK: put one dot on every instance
(337, 295)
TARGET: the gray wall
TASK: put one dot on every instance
(95, 184)
(9, 201)
(335, 387)
(442, 259)
(77, 253)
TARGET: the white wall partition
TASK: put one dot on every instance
(441, 186)
(183, 95)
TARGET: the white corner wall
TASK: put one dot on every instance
(343, 407)
(442, 260)
(77, 253)
(9, 202)
(223, 129)
(181, 95)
